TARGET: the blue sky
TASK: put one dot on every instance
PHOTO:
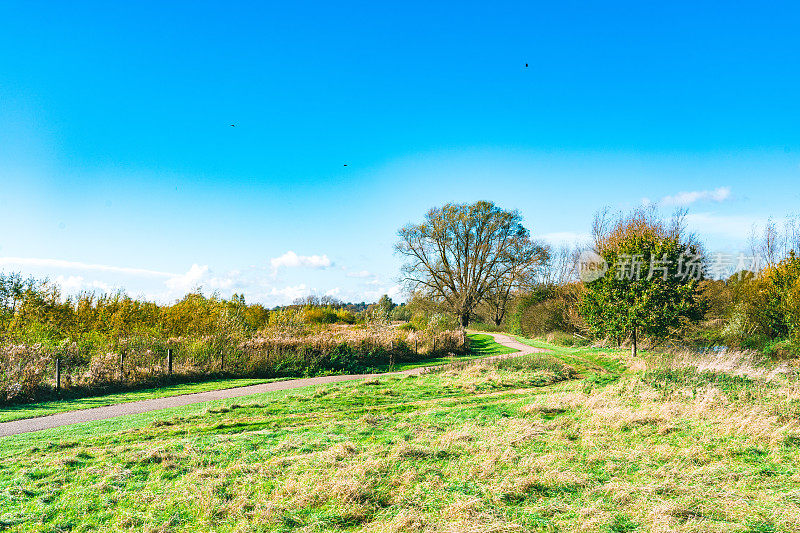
(119, 167)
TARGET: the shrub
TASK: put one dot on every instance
(783, 348)
(543, 317)
(318, 315)
(443, 322)
(344, 316)
(767, 308)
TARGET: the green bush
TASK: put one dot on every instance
(319, 315)
(782, 348)
(344, 316)
(767, 308)
(543, 317)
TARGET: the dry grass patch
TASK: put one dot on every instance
(480, 449)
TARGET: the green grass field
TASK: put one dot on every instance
(480, 346)
(30, 410)
(535, 443)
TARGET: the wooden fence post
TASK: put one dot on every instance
(122, 366)
(58, 375)
(222, 360)
(169, 361)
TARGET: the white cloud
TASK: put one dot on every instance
(176, 284)
(719, 194)
(292, 260)
(74, 277)
(290, 293)
(188, 281)
(76, 265)
(395, 292)
(74, 284)
(69, 284)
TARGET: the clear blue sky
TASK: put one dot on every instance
(116, 150)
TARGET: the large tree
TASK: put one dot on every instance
(523, 276)
(461, 252)
(651, 285)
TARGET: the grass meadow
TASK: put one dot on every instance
(480, 345)
(578, 439)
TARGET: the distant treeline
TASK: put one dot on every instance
(35, 311)
(114, 340)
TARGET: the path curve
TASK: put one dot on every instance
(131, 408)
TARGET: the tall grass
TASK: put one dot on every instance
(29, 369)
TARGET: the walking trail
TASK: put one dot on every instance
(143, 406)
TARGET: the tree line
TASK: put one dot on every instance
(646, 277)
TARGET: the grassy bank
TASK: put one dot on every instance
(529, 444)
(479, 346)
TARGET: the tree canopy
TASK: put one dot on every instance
(462, 252)
(651, 283)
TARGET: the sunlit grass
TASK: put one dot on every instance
(30, 410)
(480, 346)
(523, 445)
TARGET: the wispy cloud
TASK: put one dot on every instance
(76, 265)
(74, 277)
(291, 260)
(198, 276)
(176, 284)
(720, 194)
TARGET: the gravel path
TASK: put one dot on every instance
(143, 406)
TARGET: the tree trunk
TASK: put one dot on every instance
(464, 320)
(633, 343)
(499, 315)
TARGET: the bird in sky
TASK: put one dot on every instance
(234, 125)
(526, 65)
(345, 164)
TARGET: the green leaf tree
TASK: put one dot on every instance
(384, 308)
(651, 285)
